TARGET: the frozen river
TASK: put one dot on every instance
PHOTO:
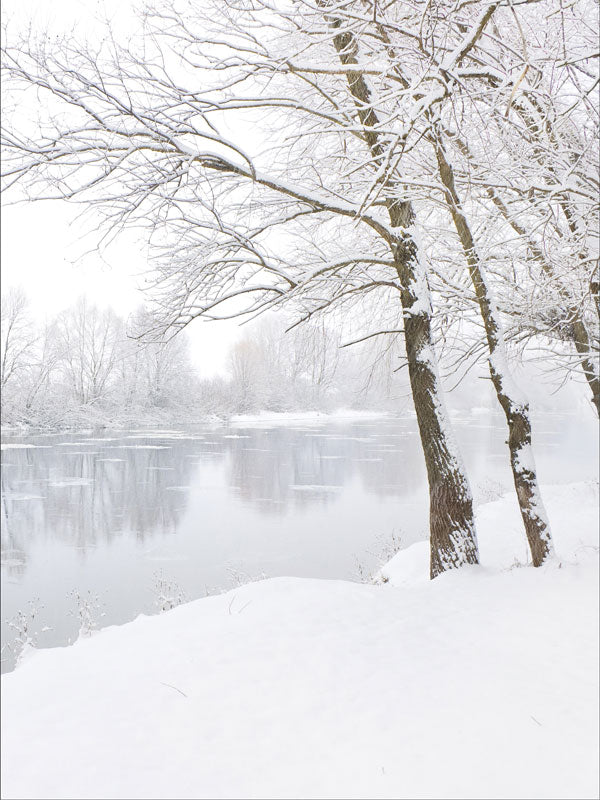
(122, 513)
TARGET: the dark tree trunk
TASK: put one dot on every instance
(453, 541)
(452, 535)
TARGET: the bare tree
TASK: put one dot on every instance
(144, 145)
(42, 369)
(536, 96)
(279, 365)
(155, 369)
(510, 398)
(89, 342)
(247, 368)
(18, 337)
(296, 169)
(445, 62)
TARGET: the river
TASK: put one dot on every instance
(133, 517)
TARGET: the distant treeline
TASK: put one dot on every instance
(90, 366)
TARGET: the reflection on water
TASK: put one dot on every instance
(112, 513)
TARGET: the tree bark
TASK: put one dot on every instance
(515, 407)
(453, 541)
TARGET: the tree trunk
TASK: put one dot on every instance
(588, 358)
(515, 407)
(579, 331)
(453, 541)
(580, 335)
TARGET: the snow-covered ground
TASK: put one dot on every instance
(480, 684)
(156, 419)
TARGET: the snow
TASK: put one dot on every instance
(289, 417)
(6, 446)
(482, 683)
(66, 483)
(15, 496)
(306, 487)
(499, 365)
(524, 460)
(158, 435)
(143, 447)
(67, 444)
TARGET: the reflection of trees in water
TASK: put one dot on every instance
(20, 515)
(14, 557)
(84, 499)
(270, 466)
(92, 493)
(266, 466)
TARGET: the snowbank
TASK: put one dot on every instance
(481, 684)
(573, 513)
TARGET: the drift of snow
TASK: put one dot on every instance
(482, 683)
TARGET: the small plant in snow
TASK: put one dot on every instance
(387, 547)
(168, 593)
(88, 612)
(241, 578)
(25, 634)
(490, 490)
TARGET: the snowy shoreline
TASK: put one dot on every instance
(275, 417)
(482, 683)
(260, 418)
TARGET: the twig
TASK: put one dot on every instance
(174, 687)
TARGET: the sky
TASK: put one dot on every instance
(43, 243)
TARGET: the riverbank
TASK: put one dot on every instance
(161, 420)
(482, 683)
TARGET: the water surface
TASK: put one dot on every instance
(115, 513)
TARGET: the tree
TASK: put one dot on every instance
(532, 171)
(18, 337)
(446, 59)
(42, 369)
(279, 365)
(89, 342)
(155, 370)
(247, 369)
(286, 170)
(138, 150)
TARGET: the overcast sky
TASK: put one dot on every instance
(42, 243)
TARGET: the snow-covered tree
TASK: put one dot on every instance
(157, 371)
(307, 166)
(89, 340)
(18, 337)
(147, 142)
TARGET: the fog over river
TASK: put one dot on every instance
(115, 513)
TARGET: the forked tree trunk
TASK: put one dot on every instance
(453, 541)
(515, 407)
